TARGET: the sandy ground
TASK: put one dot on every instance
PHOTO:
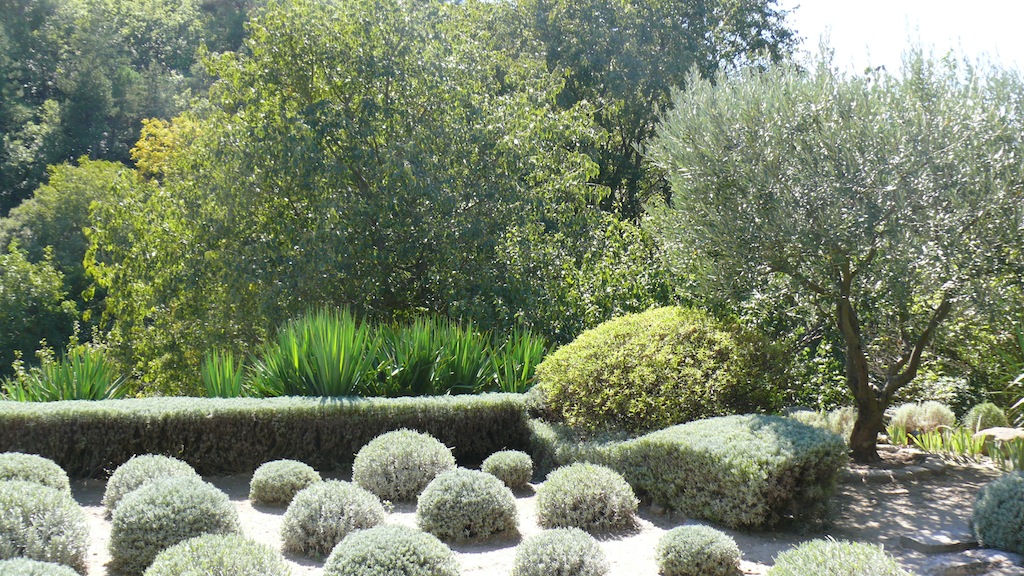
(864, 512)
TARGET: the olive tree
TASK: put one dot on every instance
(886, 200)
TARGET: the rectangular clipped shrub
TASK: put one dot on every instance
(224, 436)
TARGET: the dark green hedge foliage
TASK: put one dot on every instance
(223, 436)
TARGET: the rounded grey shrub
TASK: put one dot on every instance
(163, 513)
(512, 467)
(322, 515)
(398, 465)
(836, 558)
(697, 551)
(41, 523)
(140, 470)
(998, 517)
(219, 555)
(918, 418)
(466, 504)
(391, 550)
(276, 483)
(560, 552)
(586, 496)
(32, 468)
(985, 415)
(26, 567)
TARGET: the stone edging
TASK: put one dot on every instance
(930, 467)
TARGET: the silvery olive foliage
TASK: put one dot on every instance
(591, 497)
(32, 468)
(560, 552)
(391, 550)
(398, 465)
(322, 515)
(41, 523)
(697, 551)
(276, 483)
(219, 555)
(140, 470)
(463, 504)
(998, 517)
(513, 467)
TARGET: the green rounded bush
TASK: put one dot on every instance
(219, 555)
(391, 550)
(26, 567)
(836, 558)
(986, 415)
(322, 515)
(998, 517)
(398, 465)
(41, 523)
(32, 468)
(512, 467)
(276, 483)
(163, 513)
(697, 551)
(140, 470)
(560, 552)
(918, 418)
(586, 496)
(648, 371)
(466, 504)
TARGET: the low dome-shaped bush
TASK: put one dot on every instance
(918, 418)
(998, 517)
(398, 465)
(163, 513)
(986, 415)
(512, 467)
(586, 496)
(560, 552)
(322, 515)
(697, 551)
(647, 371)
(391, 550)
(32, 468)
(466, 504)
(832, 558)
(41, 523)
(276, 483)
(26, 567)
(140, 470)
(219, 555)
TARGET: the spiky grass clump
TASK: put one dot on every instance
(41, 523)
(219, 555)
(32, 468)
(587, 496)
(140, 470)
(697, 551)
(466, 504)
(391, 550)
(560, 552)
(512, 467)
(276, 483)
(398, 465)
(322, 515)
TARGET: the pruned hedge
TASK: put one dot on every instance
(224, 436)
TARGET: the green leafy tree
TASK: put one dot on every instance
(885, 201)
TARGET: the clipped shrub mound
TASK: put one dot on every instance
(219, 555)
(398, 465)
(591, 497)
(41, 523)
(986, 415)
(391, 550)
(512, 467)
(26, 567)
(832, 558)
(139, 471)
(322, 515)
(560, 552)
(466, 504)
(647, 371)
(998, 517)
(918, 418)
(32, 468)
(163, 513)
(697, 551)
(276, 483)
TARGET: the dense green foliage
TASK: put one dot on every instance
(322, 515)
(463, 504)
(85, 372)
(838, 421)
(276, 483)
(139, 471)
(650, 370)
(832, 558)
(590, 497)
(998, 517)
(41, 523)
(985, 415)
(697, 551)
(560, 552)
(398, 465)
(26, 567)
(391, 550)
(219, 555)
(513, 467)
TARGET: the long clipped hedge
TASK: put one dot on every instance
(224, 436)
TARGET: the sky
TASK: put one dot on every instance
(876, 32)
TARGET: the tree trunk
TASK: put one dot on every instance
(864, 438)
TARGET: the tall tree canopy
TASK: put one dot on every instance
(888, 201)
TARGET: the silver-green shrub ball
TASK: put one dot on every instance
(922, 417)
(276, 483)
(219, 555)
(466, 504)
(560, 552)
(398, 465)
(322, 515)
(985, 415)
(41, 523)
(587, 496)
(140, 470)
(697, 551)
(391, 550)
(27, 567)
(32, 468)
(163, 513)
(998, 517)
(512, 467)
(832, 558)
